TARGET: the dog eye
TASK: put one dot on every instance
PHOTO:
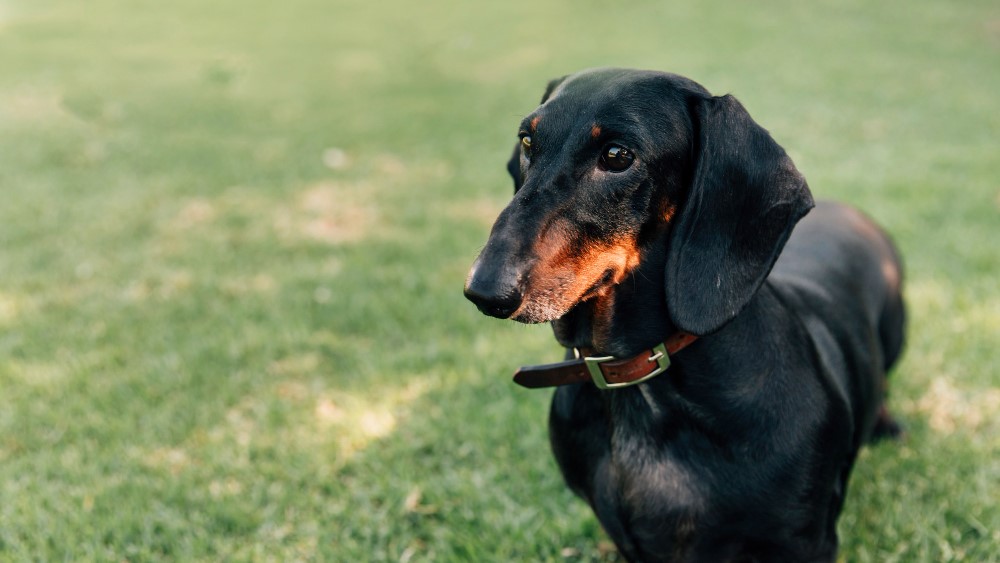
(616, 158)
(526, 144)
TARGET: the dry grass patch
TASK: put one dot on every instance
(30, 106)
(950, 409)
(329, 212)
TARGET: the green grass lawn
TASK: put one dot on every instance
(233, 237)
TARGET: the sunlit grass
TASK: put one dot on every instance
(233, 238)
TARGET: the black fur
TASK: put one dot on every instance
(741, 451)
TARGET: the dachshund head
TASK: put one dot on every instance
(620, 169)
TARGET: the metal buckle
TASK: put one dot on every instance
(594, 367)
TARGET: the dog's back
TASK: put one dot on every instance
(839, 266)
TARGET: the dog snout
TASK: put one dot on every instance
(495, 294)
(499, 305)
(497, 280)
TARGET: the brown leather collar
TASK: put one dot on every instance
(607, 372)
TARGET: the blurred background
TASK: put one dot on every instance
(233, 238)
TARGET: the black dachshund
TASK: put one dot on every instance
(731, 340)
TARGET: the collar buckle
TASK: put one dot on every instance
(593, 364)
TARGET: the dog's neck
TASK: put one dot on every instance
(632, 316)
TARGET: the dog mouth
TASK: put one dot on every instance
(552, 302)
(599, 287)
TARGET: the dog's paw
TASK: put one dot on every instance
(886, 427)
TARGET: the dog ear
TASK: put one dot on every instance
(745, 198)
(514, 167)
(551, 87)
(514, 164)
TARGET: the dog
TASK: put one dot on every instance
(728, 338)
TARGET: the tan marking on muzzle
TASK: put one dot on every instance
(568, 272)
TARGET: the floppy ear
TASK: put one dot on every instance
(745, 198)
(514, 167)
(514, 164)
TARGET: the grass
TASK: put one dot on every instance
(233, 237)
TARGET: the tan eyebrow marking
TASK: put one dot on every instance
(595, 131)
(534, 122)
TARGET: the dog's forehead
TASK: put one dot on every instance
(600, 89)
(607, 95)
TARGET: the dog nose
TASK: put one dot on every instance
(493, 302)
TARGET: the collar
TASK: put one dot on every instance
(607, 372)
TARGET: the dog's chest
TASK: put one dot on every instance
(633, 456)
